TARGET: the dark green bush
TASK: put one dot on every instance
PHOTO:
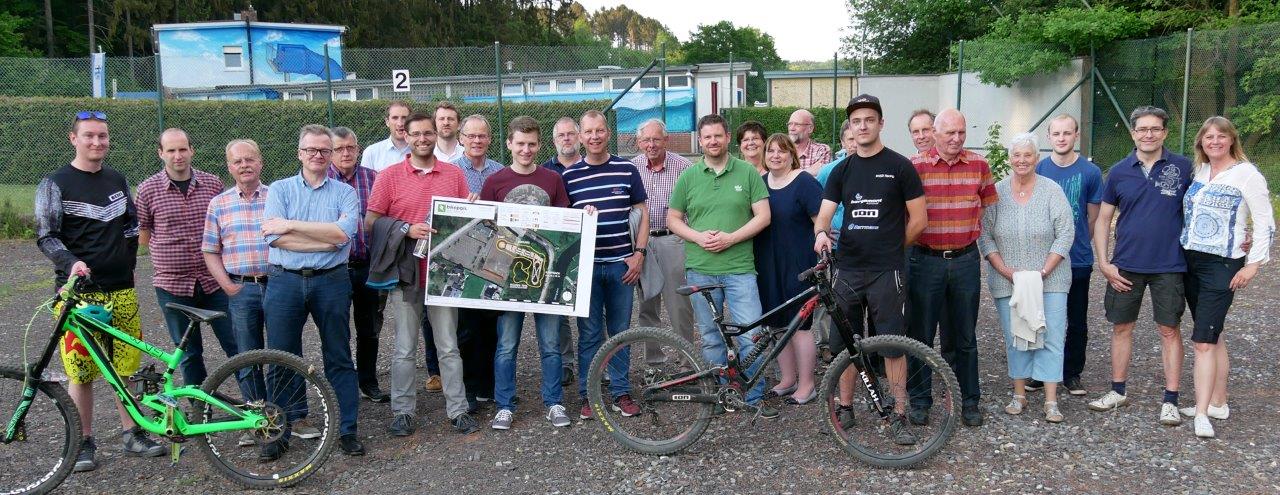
(775, 119)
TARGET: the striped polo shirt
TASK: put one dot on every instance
(613, 188)
(955, 194)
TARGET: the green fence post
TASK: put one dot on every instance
(328, 84)
(502, 129)
(960, 75)
(159, 96)
(1186, 87)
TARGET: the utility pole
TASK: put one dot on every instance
(48, 27)
(90, 7)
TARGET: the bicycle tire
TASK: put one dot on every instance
(623, 431)
(942, 427)
(221, 455)
(41, 479)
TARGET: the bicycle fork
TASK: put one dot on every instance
(859, 360)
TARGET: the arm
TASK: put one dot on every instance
(987, 243)
(760, 218)
(822, 225)
(917, 219)
(675, 223)
(48, 216)
(635, 262)
(1101, 237)
(143, 206)
(213, 261)
(1064, 231)
(301, 244)
(1258, 200)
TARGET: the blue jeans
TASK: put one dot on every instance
(741, 298)
(326, 298)
(1045, 363)
(611, 300)
(247, 323)
(193, 370)
(943, 296)
(504, 362)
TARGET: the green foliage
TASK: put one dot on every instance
(913, 36)
(997, 153)
(14, 224)
(1032, 44)
(11, 37)
(714, 43)
(774, 120)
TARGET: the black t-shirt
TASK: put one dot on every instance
(90, 217)
(874, 192)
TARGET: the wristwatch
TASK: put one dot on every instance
(643, 251)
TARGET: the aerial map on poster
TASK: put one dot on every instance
(510, 257)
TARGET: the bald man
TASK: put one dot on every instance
(813, 155)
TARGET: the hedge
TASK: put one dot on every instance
(775, 119)
(33, 137)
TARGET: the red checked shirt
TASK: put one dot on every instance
(659, 179)
(814, 156)
(955, 194)
(404, 192)
(176, 223)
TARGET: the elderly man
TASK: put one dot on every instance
(920, 124)
(394, 148)
(813, 155)
(565, 137)
(943, 273)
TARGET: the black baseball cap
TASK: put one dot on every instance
(863, 101)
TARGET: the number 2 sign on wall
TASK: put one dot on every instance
(400, 80)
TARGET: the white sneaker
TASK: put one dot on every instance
(1215, 412)
(1204, 429)
(304, 430)
(1169, 415)
(501, 420)
(557, 416)
(1108, 402)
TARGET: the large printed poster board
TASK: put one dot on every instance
(510, 257)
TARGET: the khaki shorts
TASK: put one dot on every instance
(124, 358)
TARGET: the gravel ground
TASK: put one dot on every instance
(1124, 451)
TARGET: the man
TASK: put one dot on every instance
(1146, 188)
(565, 138)
(172, 205)
(609, 186)
(726, 204)
(1081, 180)
(659, 169)
(309, 222)
(448, 149)
(394, 148)
(921, 127)
(525, 182)
(943, 272)
(87, 226)
(812, 153)
(366, 302)
(829, 343)
(885, 213)
(404, 192)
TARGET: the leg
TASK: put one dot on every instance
(329, 302)
(960, 321)
(742, 299)
(651, 316)
(286, 313)
(1019, 360)
(1168, 302)
(1121, 310)
(1047, 361)
(245, 313)
(124, 358)
(1121, 350)
(82, 396)
(504, 362)
(193, 370)
(444, 327)
(713, 346)
(806, 361)
(787, 368)
(1219, 396)
(568, 354)
(1077, 339)
(366, 313)
(925, 284)
(548, 333)
(222, 328)
(406, 307)
(591, 331)
(428, 339)
(617, 315)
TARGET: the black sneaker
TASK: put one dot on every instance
(1074, 387)
(272, 451)
(85, 459)
(136, 442)
(844, 415)
(902, 431)
(566, 378)
(401, 426)
(374, 393)
(350, 445)
(465, 424)
(762, 409)
(918, 417)
(1034, 385)
(971, 416)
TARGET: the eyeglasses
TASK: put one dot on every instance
(799, 124)
(91, 114)
(476, 136)
(310, 152)
(345, 149)
(1148, 130)
(416, 135)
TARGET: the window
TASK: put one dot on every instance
(650, 82)
(678, 81)
(231, 57)
(592, 84)
(295, 95)
(364, 94)
(619, 83)
(512, 89)
(541, 87)
(566, 85)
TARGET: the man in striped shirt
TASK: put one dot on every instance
(609, 186)
(943, 273)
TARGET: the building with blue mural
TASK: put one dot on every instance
(247, 53)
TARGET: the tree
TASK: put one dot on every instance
(914, 36)
(714, 43)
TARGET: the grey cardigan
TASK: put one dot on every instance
(1024, 235)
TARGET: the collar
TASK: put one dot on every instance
(334, 173)
(408, 164)
(170, 183)
(936, 158)
(303, 180)
(649, 165)
(728, 166)
(1135, 162)
(257, 192)
(807, 148)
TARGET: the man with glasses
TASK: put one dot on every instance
(565, 137)
(394, 148)
(1146, 188)
(813, 155)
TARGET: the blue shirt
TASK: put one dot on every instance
(554, 165)
(292, 198)
(824, 174)
(383, 154)
(1150, 207)
(613, 188)
(476, 178)
(1082, 183)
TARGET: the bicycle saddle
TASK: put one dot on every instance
(197, 314)
(690, 289)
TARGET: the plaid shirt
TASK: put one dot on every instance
(658, 183)
(233, 228)
(174, 220)
(476, 178)
(814, 156)
(955, 194)
(362, 181)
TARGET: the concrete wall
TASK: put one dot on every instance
(812, 92)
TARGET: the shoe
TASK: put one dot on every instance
(85, 459)
(401, 426)
(1109, 401)
(1016, 405)
(1034, 385)
(902, 431)
(1204, 429)
(136, 442)
(1169, 415)
(779, 392)
(375, 394)
(585, 412)
(305, 431)
(473, 406)
(1215, 412)
(465, 424)
(919, 417)
(433, 384)
(350, 445)
(1074, 387)
(813, 394)
(1051, 412)
(557, 416)
(272, 451)
(971, 416)
(246, 440)
(501, 420)
(844, 415)
(761, 409)
(626, 406)
(566, 377)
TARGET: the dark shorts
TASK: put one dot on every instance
(878, 297)
(1167, 301)
(1209, 294)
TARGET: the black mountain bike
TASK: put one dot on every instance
(679, 392)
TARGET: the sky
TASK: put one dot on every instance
(812, 32)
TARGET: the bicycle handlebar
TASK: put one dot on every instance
(823, 262)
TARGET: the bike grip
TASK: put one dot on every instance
(805, 275)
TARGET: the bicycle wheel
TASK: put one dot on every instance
(43, 454)
(892, 441)
(651, 356)
(283, 388)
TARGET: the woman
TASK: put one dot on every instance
(1226, 190)
(1025, 236)
(782, 251)
(750, 137)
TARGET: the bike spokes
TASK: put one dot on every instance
(43, 454)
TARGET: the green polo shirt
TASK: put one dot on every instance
(719, 202)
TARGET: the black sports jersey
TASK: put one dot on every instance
(90, 217)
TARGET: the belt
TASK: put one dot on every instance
(315, 272)
(659, 233)
(947, 254)
(248, 279)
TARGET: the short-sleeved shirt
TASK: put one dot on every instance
(721, 202)
(824, 176)
(1081, 181)
(383, 154)
(874, 191)
(476, 178)
(554, 165)
(813, 156)
(175, 219)
(404, 192)
(659, 179)
(613, 187)
(233, 229)
(509, 186)
(955, 194)
(292, 198)
(1150, 207)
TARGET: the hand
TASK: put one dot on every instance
(1112, 273)
(1242, 278)
(276, 226)
(232, 289)
(635, 265)
(821, 243)
(590, 209)
(421, 230)
(1004, 271)
(471, 198)
(80, 269)
(720, 241)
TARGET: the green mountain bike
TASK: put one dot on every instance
(246, 404)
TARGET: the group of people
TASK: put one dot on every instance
(909, 235)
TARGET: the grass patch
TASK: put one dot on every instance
(14, 223)
(22, 197)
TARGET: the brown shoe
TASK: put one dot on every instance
(433, 384)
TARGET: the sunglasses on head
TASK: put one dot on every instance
(91, 114)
